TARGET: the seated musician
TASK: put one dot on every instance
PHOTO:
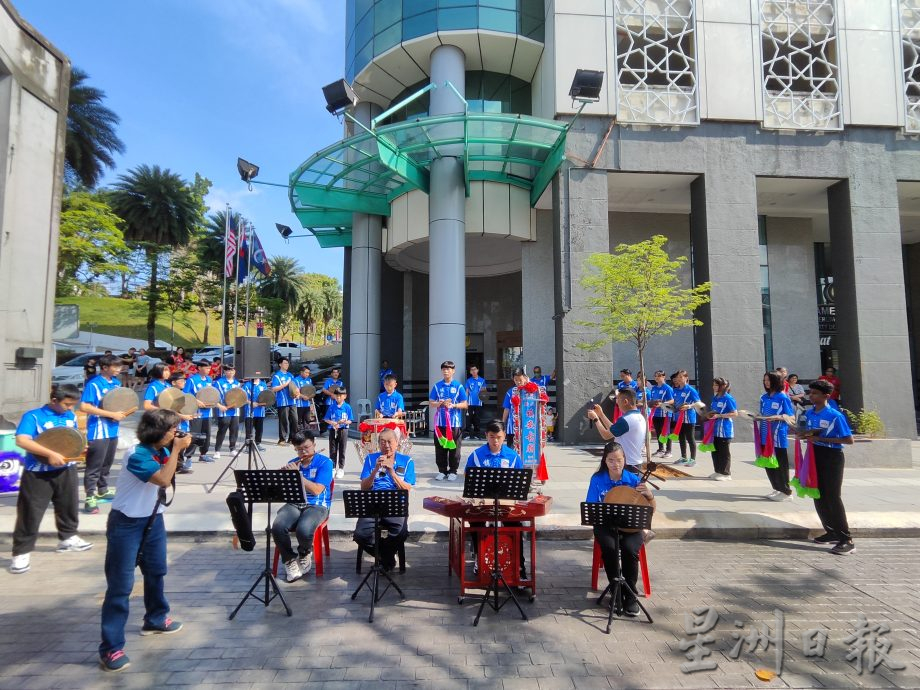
(304, 518)
(608, 475)
(386, 470)
(390, 404)
(495, 453)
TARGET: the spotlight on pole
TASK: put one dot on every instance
(586, 86)
(247, 170)
(284, 231)
(339, 97)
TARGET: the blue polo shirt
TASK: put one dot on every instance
(484, 457)
(723, 404)
(330, 382)
(456, 393)
(97, 427)
(601, 483)
(383, 374)
(36, 421)
(506, 404)
(300, 382)
(195, 383)
(283, 397)
(154, 388)
(474, 387)
(831, 422)
(686, 395)
(320, 470)
(390, 403)
(541, 380)
(403, 466)
(223, 385)
(777, 403)
(621, 385)
(253, 389)
(660, 394)
(339, 413)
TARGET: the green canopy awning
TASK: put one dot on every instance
(365, 172)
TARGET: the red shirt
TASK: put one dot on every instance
(833, 380)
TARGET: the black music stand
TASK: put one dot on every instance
(497, 483)
(619, 516)
(249, 445)
(268, 486)
(376, 504)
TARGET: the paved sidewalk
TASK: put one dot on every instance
(878, 501)
(49, 622)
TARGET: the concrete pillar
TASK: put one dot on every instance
(726, 251)
(580, 228)
(537, 294)
(363, 377)
(447, 226)
(872, 335)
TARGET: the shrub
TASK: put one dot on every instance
(866, 422)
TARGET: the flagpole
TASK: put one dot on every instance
(236, 285)
(249, 274)
(223, 302)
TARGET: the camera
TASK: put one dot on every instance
(198, 441)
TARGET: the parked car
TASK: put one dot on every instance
(209, 353)
(288, 349)
(71, 371)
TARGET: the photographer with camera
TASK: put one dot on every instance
(136, 534)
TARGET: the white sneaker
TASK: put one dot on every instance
(780, 497)
(339, 473)
(306, 563)
(74, 543)
(772, 494)
(215, 455)
(261, 448)
(21, 563)
(452, 477)
(440, 477)
(292, 570)
(716, 477)
(667, 455)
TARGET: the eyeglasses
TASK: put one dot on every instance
(301, 450)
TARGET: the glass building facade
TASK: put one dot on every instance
(375, 26)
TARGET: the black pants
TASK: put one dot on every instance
(829, 465)
(722, 455)
(287, 423)
(203, 427)
(224, 423)
(779, 476)
(100, 454)
(629, 546)
(448, 460)
(303, 418)
(472, 420)
(396, 529)
(338, 442)
(686, 438)
(658, 423)
(256, 424)
(36, 489)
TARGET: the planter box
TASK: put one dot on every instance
(879, 452)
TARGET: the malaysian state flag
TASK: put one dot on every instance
(230, 249)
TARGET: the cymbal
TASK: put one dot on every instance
(65, 440)
(266, 397)
(189, 404)
(235, 397)
(171, 399)
(120, 400)
(208, 395)
(307, 391)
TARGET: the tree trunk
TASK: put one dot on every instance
(644, 379)
(207, 327)
(152, 300)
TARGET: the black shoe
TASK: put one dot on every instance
(631, 607)
(844, 548)
(826, 538)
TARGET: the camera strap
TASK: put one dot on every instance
(161, 500)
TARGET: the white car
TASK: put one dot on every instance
(210, 353)
(289, 349)
(71, 372)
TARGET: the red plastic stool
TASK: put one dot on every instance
(320, 544)
(598, 561)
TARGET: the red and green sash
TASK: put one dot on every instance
(680, 422)
(665, 429)
(805, 481)
(709, 433)
(766, 455)
(446, 439)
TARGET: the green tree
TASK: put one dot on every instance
(91, 141)
(91, 244)
(332, 304)
(636, 295)
(161, 213)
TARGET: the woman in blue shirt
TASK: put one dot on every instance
(609, 474)
(722, 409)
(776, 408)
(685, 398)
(661, 394)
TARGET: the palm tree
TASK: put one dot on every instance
(332, 303)
(160, 213)
(310, 308)
(91, 140)
(283, 287)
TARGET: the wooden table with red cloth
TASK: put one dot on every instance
(464, 512)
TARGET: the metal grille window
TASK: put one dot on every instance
(910, 52)
(801, 86)
(656, 61)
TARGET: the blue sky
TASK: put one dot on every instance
(197, 83)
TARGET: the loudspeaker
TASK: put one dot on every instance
(253, 358)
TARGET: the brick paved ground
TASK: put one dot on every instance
(49, 621)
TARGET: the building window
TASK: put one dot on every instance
(910, 52)
(801, 86)
(766, 310)
(656, 61)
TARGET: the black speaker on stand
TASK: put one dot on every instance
(253, 358)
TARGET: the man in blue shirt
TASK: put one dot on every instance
(255, 417)
(101, 432)
(385, 471)
(284, 402)
(202, 423)
(316, 473)
(448, 398)
(229, 416)
(494, 453)
(542, 379)
(339, 417)
(384, 372)
(303, 404)
(390, 403)
(829, 431)
(47, 477)
(474, 385)
(630, 430)
(331, 382)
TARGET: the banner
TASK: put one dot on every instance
(230, 248)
